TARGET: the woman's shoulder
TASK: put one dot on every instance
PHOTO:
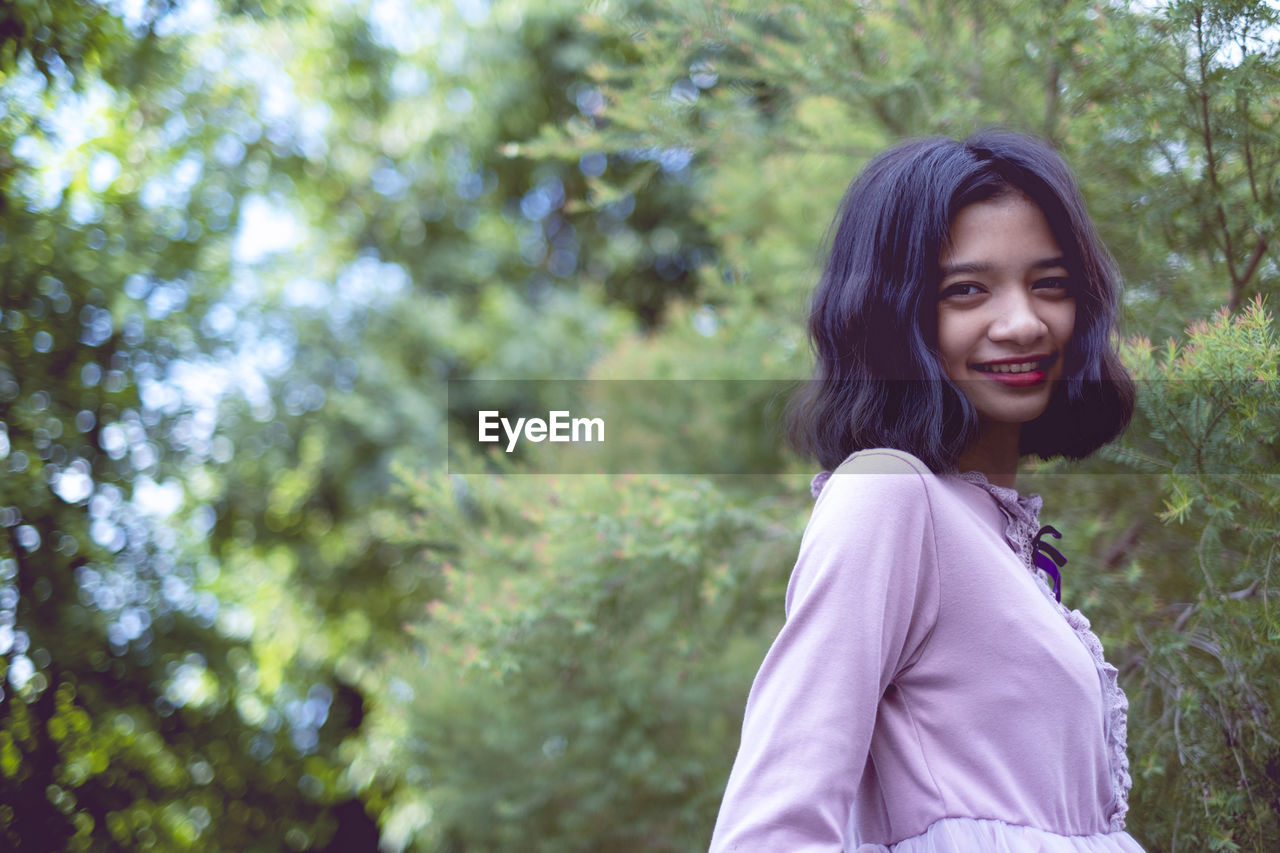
(879, 483)
(883, 460)
(859, 471)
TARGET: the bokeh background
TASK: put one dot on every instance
(244, 244)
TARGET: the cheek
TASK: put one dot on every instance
(1064, 322)
(953, 344)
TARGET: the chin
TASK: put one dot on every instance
(1004, 407)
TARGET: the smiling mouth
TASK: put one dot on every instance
(1029, 366)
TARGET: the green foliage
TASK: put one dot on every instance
(153, 351)
(123, 722)
(579, 682)
(59, 37)
(1192, 151)
(1203, 725)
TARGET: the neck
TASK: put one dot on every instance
(994, 453)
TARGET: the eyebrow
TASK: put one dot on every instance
(977, 267)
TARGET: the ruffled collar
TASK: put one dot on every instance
(1009, 500)
(1022, 514)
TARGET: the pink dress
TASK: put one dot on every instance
(927, 694)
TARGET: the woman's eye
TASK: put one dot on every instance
(1053, 284)
(962, 289)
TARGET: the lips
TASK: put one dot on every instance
(1025, 364)
(1027, 370)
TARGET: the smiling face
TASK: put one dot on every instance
(1005, 310)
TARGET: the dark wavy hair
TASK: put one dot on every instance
(878, 380)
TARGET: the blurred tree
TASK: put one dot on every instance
(119, 726)
(242, 254)
(576, 684)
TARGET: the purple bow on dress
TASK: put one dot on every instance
(1048, 558)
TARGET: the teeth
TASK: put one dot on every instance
(1022, 367)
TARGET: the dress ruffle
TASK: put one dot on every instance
(1023, 522)
(1022, 516)
(995, 836)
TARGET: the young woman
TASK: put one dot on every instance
(928, 693)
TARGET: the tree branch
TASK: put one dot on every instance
(1211, 164)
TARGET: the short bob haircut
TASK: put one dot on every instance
(878, 380)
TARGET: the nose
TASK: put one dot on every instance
(1016, 321)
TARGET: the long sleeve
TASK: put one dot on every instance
(860, 604)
